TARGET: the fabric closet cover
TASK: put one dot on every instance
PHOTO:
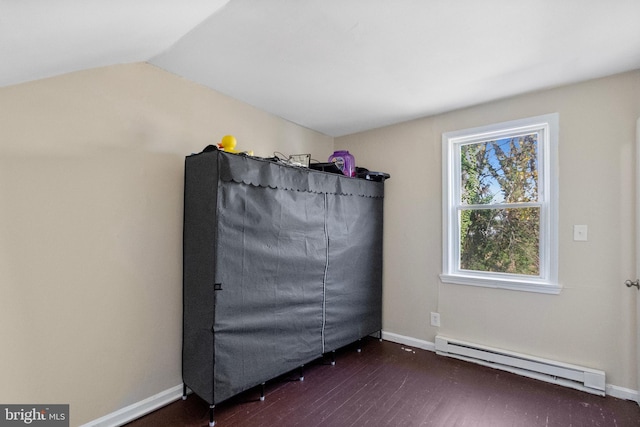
(297, 255)
(266, 173)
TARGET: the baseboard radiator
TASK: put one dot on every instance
(578, 377)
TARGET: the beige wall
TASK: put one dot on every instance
(592, 321)
(91, 175)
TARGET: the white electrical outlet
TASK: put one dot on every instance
(580, 233)
(435, 319)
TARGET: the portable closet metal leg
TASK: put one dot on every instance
(211, 421)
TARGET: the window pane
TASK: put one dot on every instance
(500, 240)
(500, 171)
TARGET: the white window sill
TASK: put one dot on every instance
(500, 283)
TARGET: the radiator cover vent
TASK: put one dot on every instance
(577, 377)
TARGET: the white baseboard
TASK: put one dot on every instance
(413, 342)
(622, 393)
(138, 409)
(611, 390)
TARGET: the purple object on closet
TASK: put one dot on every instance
(344, 161)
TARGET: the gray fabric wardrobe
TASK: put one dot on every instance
(282, 264)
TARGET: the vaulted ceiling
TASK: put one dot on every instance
(335, 66)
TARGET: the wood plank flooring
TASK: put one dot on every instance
(388, 384)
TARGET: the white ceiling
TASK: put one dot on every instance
(336, 66)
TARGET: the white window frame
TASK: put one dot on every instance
(547, 281)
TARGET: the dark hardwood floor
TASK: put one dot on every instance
(388, 384)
